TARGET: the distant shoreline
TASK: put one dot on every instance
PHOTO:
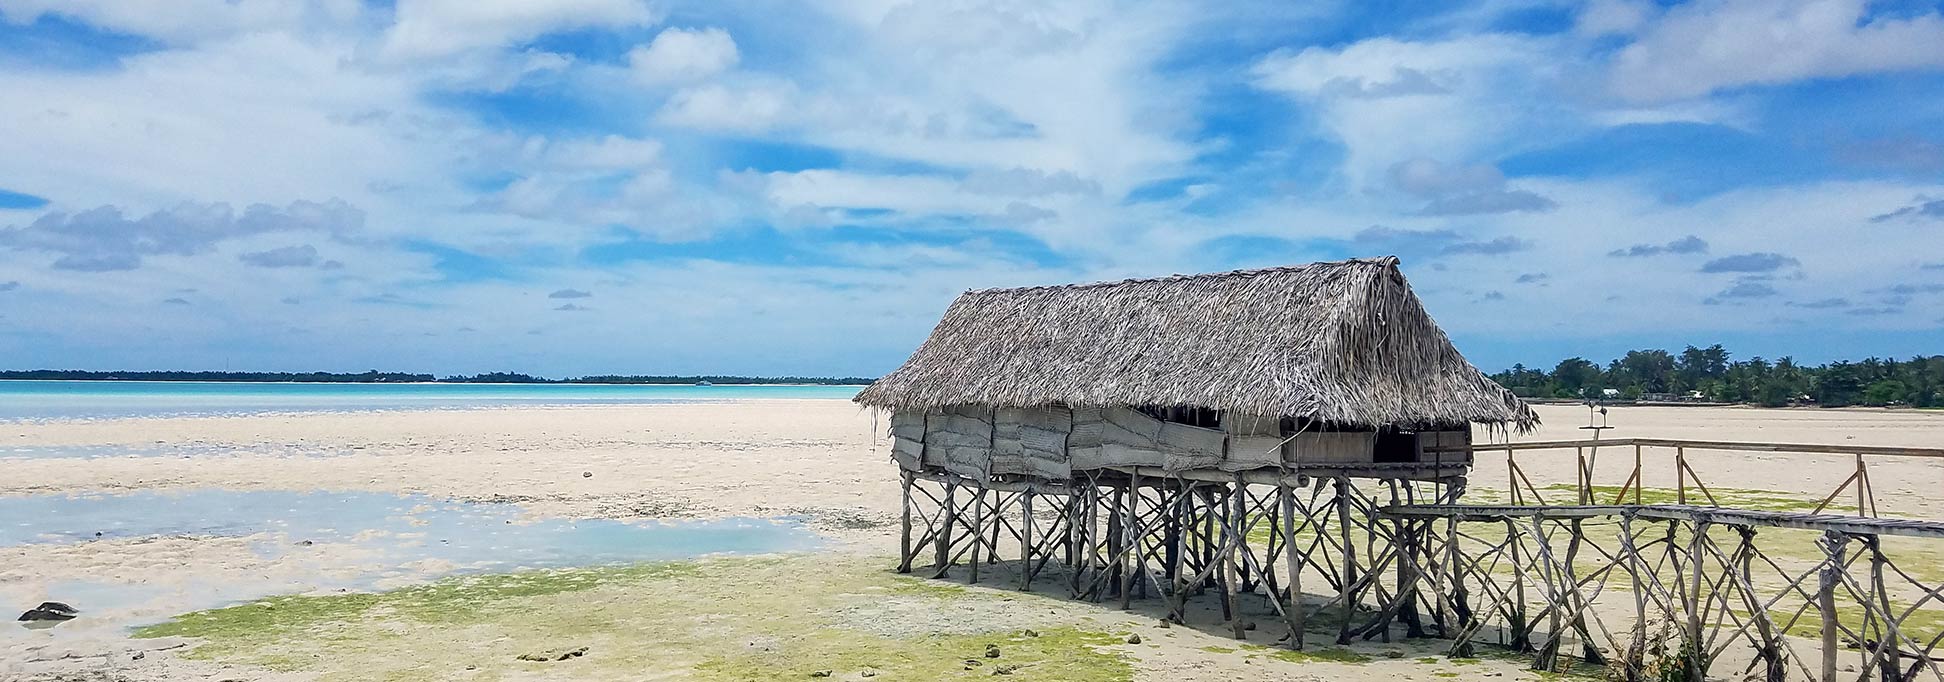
(403, 378)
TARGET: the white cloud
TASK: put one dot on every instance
(438, 28)
(188, 21)
(1611, 17)
(752, 107)
(1706, 46)
(1455, 97)
(681, 55)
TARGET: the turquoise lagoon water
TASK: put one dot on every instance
(325, 542)
(36, 400)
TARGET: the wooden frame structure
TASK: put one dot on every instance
(1698, 591)
(1141, 532)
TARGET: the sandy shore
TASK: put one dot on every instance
(817, 459)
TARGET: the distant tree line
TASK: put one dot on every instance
(374, 377)
(1709, 374)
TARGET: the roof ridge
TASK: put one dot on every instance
(1390, 261)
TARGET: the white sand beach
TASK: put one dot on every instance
(813, 459)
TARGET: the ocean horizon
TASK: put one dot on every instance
(36, 399)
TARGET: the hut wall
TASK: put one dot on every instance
(1436, 440)
(1032, 442)
(1331, 447)
(1052, 442)
(1129, 438)
(959, 439)
(1086, 444)
(1255, 442)
(908, 439)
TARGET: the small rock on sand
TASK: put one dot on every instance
(1134, 638)
(992, 651)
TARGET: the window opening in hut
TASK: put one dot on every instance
(1395, 445)
(1193, 416)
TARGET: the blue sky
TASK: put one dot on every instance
(629, 186)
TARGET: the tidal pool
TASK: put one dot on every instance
(130, 559)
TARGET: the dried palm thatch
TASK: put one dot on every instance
(1343, 342)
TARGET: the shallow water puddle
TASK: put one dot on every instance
(140, 557)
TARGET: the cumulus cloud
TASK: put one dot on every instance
(1463, 190)
(1701, 47)
(1750, 262)
(1688, 244)
(102, 239)
(570, 293)
(1922, 209)
(743, 108)
(438, 28)
(570, 307)
(683, 55)
(302, 256)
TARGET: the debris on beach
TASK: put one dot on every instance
(992, 651)
(48, 614)
(551, 655)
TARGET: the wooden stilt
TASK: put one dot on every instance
(1026, 540)
(904, 525)
(978, 532)
(1293, 611)
(947, 527)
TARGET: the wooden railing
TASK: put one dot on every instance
(1689, 487)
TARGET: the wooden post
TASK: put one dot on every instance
(978, 531)
(1892, 643)
(1116, 536)
(1026, 540)
(1520, 641)
(1234, 530)
(1585, 478)
(1131, 544)
(949, 525)
(1349, 558)
(1177, 602)
(1636, 653)
(1697, 662)
(1680, 470)
(1639, 480)
(904, 525)
(1861, 484)
(1293, 613)
(1833, 546)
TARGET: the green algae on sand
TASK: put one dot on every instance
(711, 619)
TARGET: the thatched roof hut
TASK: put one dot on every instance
(1343, 342)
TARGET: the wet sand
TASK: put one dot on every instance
(810, 458)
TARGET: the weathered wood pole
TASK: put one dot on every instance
(1349, 558)
(1131, 544)
(949, 525)
(978, 531)
(1293, 613)
(1238, 512)
(1026, 539)
(904, 526)
(1834, 545)
(1696, 662)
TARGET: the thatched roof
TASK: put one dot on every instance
(1344, 342)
